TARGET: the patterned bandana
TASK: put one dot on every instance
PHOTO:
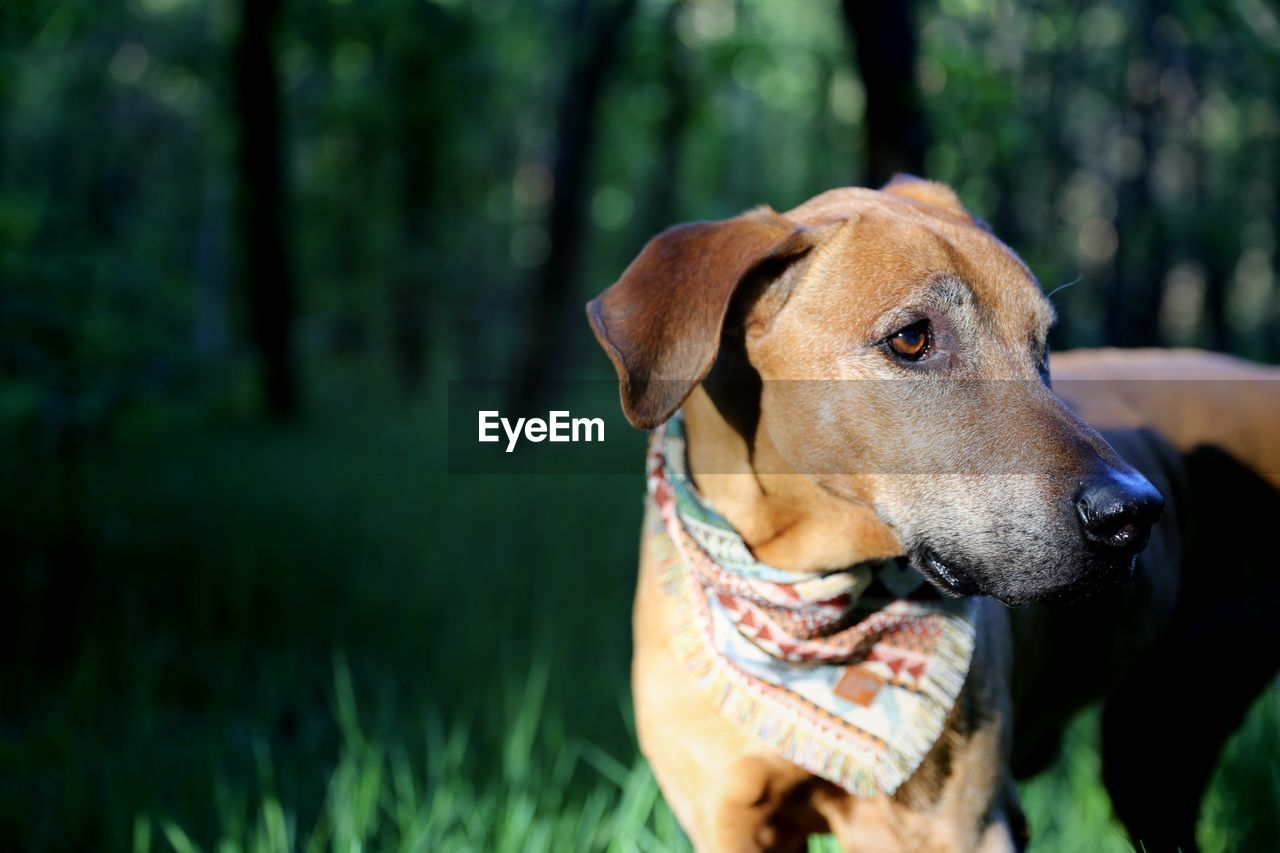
(850, 675)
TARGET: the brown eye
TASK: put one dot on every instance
(912, 342)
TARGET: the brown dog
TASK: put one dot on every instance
(963, 459)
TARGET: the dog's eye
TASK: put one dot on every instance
(911, 343)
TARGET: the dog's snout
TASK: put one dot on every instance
(1117, 511)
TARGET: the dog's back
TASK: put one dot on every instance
(1192, 398)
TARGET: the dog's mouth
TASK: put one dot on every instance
(955, 579)
(950, 577)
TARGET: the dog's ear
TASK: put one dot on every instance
(928, 192)
(661, 322)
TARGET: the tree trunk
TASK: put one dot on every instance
(556, 278)
(268, 274)
(1136, 284)
(416, 132)
(885, 41)
(660, 210)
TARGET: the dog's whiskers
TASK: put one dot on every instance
(1063, 287)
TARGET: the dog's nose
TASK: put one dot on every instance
(1117, 510)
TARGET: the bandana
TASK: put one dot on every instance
(849, 674)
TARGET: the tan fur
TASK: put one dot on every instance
(827, 482)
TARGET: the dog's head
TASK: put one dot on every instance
(902, 362)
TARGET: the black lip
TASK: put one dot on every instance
(949, 576)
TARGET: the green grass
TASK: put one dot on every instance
(379, 797)
(246, 638)
(546, 794)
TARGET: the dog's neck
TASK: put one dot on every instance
(787, 519)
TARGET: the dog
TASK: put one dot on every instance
(1104, 513)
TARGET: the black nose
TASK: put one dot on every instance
(1117, 510)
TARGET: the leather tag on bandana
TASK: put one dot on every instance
(859, 686)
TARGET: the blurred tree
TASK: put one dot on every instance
(263, 206)
(415, 47)
(885, 41)
(661, 204)
(594, 41)
(1134, 282)
(1214, 236)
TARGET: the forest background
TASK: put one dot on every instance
(246, 245)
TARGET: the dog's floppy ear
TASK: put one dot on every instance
(928, 192)
(661, 322)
